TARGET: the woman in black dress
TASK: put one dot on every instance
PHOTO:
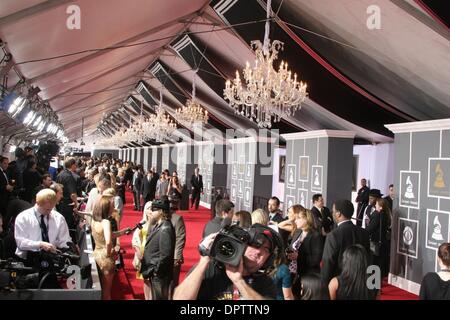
(174, 192)
(436, 286)
(380, 222)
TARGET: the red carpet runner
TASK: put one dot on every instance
(127, 287)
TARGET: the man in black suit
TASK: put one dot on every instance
(362, 199)
(345, 235)
(323, 220)
(224, 209)
(148, 190)
(157, 262)
(273, 206)
(5, 187)
(197, 188)
(374, 195)
(390, 197)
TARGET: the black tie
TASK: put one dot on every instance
(44, 231)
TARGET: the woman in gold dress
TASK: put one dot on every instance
(104, 253)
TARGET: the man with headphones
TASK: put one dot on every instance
(209, 280)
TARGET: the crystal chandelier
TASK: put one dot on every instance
(159, 126)
(266, 93)
(192, 112)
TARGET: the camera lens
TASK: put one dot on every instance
(226, 249)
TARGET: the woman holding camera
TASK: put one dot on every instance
(104, 253)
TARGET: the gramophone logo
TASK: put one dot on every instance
(409, 193)
(291, 175)
(316, 178)
(437, 230)
(409, 189)
(438, 177)
(439, 182)
(302, 199)
(304, 168)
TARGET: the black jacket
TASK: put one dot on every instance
(148, 190)
(4, 194)
(212, 226)
(323, 219)
(137, 179)
(309, 253)
(197, 183)
(336, 242)
(159, 252)
(278, 217)
(374, 227)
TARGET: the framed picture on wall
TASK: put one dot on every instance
(282, 169)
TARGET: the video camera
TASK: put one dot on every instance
(15, 275)
(229, 245)
(231, 242)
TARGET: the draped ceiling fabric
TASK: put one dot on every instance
(358, 79)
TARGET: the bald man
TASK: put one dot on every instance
(41, 227)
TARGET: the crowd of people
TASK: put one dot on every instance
(311, 254)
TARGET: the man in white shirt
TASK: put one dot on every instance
(40, 227)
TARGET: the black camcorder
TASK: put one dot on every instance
(229, 245)
(231, 242)
(15, 275)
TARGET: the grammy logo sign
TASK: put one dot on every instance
(439, 182)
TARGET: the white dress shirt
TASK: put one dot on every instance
(28, 235)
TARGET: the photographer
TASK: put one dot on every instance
(40, 227)
(157, 262)
(211, 280)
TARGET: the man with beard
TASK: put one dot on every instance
(158, 259)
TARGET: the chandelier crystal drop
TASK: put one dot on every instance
(266, 94)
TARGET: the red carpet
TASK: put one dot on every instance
(127, 287)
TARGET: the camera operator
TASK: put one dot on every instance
(210, 280)
(40, 227)
(157, 262)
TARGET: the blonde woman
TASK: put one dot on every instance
(138, 243)
(260, 216)
(288, 225)
(104, 253)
